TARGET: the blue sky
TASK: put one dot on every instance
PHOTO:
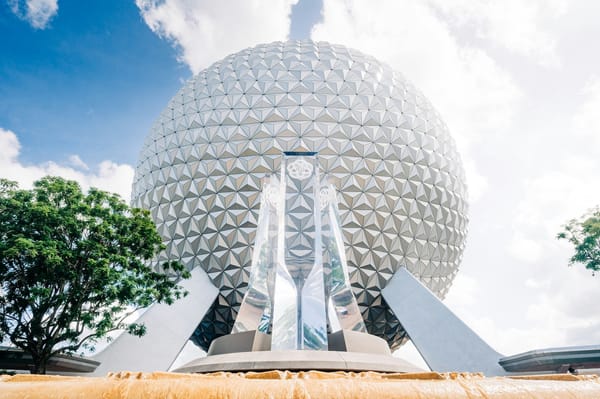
(518, 84)
(89, 84)
(93, 81)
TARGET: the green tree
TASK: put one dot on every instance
(584, 234)
(73, 266)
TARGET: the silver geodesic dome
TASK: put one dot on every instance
(400, 180)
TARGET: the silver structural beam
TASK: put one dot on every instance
(444, 341)
(169, 329)
(558, 360)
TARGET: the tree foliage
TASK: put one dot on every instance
(584, 234)
(73, 266)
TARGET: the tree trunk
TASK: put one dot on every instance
(39, 365)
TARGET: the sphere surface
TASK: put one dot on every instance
(380, 142)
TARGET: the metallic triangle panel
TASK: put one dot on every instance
(400, 179)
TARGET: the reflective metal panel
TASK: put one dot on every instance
(299, 273)
(257, 306)
(337, 285)
(299, 280)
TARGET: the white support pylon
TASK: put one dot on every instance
(169, 327)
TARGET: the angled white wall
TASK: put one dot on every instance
(444, 341)
(168, 330)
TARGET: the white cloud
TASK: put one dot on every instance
(518, 26)
(465, 290)
(534, 300)
(558, 195)
(553, 315)
(108, 176)
(77, 162)
(477, 183)
(525, 249)
(37, 12)
(206, 31)
(586, 122)
(567, 187)
(10, 147)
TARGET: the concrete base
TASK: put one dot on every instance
(342, 341)
(247, 341)
(354, 341)
(299, 360)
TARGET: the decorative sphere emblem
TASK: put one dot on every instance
(400, 182)
(300, 169)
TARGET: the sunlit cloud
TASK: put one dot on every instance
(37, 13)
(206, 31)
(107, 175)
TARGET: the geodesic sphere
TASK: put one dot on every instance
(400, 180)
